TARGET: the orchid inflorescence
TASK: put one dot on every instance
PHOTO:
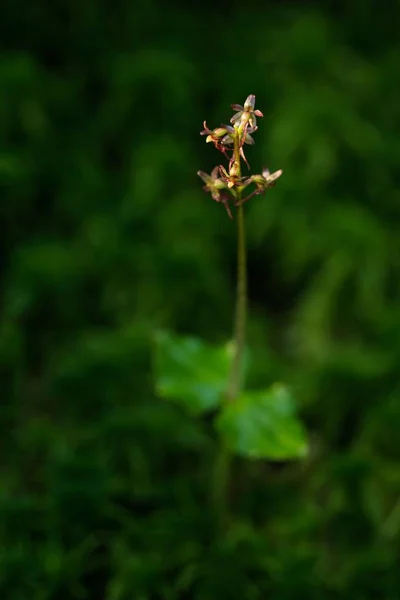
(227, 185)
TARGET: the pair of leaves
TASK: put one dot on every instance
(259, 424)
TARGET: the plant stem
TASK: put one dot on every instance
(235, 379)
(223, 462)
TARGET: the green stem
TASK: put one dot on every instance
(235, 380)
(222, 467)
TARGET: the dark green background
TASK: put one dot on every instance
(106, 236)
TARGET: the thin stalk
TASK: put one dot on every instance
(239, 332)
(235, 379)
(223, 462)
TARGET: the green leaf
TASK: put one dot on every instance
(263, 424)
(192, 373)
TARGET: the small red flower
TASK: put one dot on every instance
(216, 136)
(227, 185)
(263, 181)
(231, 179)
(246, 114)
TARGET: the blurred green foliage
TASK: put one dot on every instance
(106, 236)
(257, 424)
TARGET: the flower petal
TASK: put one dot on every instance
(205, 177)
(248, 139)
(252, 121)
(223, 171)
(250, 102)
(274, 176)
(236, 117)
(227, 140)
(215, 173)
(205, 130)
(266, 172)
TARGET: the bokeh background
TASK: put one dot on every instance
(106, 236)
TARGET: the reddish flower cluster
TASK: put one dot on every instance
(228, 185)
